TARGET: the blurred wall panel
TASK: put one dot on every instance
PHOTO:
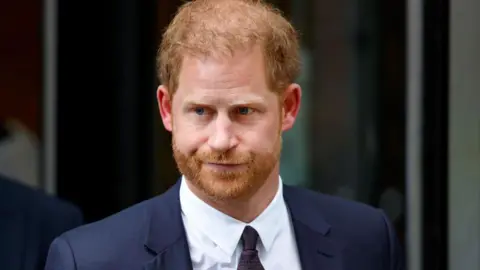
(333, 121)
(464, 136)
(434, 129)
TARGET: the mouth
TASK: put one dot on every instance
(225, 166)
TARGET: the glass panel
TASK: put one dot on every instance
(464, 137)
(349, 137)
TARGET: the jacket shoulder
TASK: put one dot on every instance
(334, 206)
(348, 219)
(16, 197)
(363, 232)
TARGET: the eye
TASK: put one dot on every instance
(200, 111)
(244, 110)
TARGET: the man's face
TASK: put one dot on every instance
(226, 124)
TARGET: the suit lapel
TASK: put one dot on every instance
(12, 240)
(316, 249)
(165, 237)
(177, 256)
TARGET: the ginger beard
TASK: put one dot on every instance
(227, 185)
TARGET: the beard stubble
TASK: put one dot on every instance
(228, 185)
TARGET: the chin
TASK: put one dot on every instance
(227, 187)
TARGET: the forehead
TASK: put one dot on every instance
(243, 74)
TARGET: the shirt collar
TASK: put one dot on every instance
(226, 231)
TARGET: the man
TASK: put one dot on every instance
(228, 93)
(29, 221)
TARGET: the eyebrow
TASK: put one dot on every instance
(209, 100)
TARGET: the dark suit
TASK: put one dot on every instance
(29, 222)
(331, 233)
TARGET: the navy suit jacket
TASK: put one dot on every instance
(331, 234)
(29, 222)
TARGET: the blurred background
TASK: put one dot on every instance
(390, 116)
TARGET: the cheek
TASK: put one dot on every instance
(187, 137)
(261, 138)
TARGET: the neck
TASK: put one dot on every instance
(245, 210)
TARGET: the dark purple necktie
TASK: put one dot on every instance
(249, 259)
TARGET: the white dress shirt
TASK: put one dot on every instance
(214, 237)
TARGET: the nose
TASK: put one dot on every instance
(222, 137)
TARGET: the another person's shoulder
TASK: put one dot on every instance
(43, 217)
(16, 197)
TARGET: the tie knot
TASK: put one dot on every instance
(249, 238)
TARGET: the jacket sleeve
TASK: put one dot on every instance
(395, 255)
(60, 256)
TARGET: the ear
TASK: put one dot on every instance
(165, 106)
(291, 105)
